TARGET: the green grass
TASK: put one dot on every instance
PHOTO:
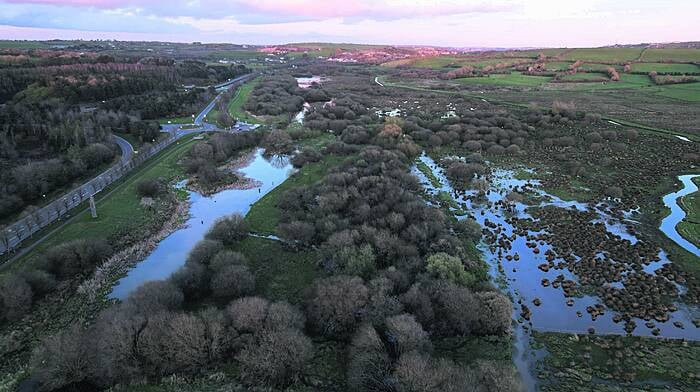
(235, 107)
(686, 91)
(662, 68)
(604, 54)
(586, 76)
(121, 209)
(673, 54)
(236, 54)
(558, 65)
(580, 362)
(597, 67)
(511, 79)
(264, 216)
(420, 165)
(281, 273)
(7, 44)
(689, 227)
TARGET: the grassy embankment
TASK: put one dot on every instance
(689, 227)
(614, 363)
(118, 207)
(235, 107)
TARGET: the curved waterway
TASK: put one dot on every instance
(171, 252)
(668, 224)
(521, 279)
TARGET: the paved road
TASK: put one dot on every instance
(25, 227)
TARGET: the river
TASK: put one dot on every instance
(669, 223)
(171, 252)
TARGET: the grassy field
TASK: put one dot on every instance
(601, 363)
(264, 215)
(689, 227)
(119, 210)
(558, 65)
(604, 54)
(661, 67)
(281, 274)
(598, 67)
(511, 79)
(7, 44)
(689, 55)
(687, 92)
(235, 55)
(235, 107)
(586, 76)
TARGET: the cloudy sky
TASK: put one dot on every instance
(494, 23)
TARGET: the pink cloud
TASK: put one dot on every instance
(371, 8)
(78, 3)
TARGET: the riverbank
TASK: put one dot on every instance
(689, 227)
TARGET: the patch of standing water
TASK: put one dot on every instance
(299, 118)
(307, 82)
(668, 224)
(171, 252)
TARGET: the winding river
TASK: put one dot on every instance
(171, 252)
(668, 224)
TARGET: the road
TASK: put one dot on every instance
(24, 228)
(52, 211)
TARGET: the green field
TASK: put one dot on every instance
(661, 67)
(119, 210)
(511, 79)
(236, 55)
(264, 215)
(235, 107)
(6, 44)
(687, 55)
(686, 91)
(604, 54)
(689, 228)
(281, 273)
(586, 76)
(601, 363)
(558, 65)
(597, 67)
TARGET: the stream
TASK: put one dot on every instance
(521, 279)
(669, 223)
(171, 252)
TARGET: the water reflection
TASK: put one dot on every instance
(171, 252)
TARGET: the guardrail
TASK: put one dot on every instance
(13, 235)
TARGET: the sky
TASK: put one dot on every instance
(455, 23)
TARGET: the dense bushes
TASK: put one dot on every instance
(276, 95)
(76, 257)
(149, 188)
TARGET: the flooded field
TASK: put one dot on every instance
(172, 252)
(550, 289)
(546, 286)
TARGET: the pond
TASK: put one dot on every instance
(171, 252)
(668, 224)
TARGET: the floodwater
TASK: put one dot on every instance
(521, 280)
(307, 82)
(171, 252)
(668, 224)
